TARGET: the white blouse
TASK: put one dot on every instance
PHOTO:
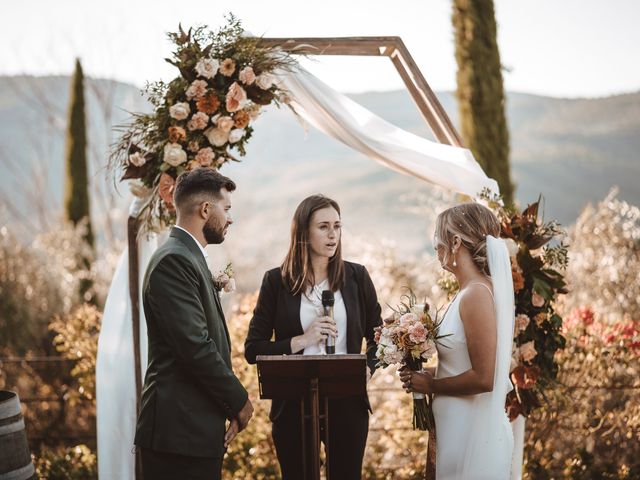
(311, 308)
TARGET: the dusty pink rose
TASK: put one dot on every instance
(179, 111)
(522, 322)
(205, 157)
(537, 300)
(198, 122)
(230, 286)
(225, 123)
(197, 89)
(408, 318)
(193, 146)
(428, 349)
(247, 76)
(236, 97)
(417, 333)
(528, 351)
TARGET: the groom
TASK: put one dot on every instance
(190, 390)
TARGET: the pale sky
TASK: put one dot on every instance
(561, 48)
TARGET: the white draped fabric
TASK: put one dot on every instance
(338, 116)
(449, 167)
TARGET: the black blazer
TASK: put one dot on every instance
(189, 389)
(278, 312)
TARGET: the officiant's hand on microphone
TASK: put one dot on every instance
(315, 334)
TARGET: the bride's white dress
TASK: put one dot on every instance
(474, 437)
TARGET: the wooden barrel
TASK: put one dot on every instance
(15, 459)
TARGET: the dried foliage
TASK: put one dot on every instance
(590, 425)
(75, 463)
(605, 259)
(77, 339)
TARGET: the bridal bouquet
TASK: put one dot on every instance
(409, 338)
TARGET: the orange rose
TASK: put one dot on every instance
(518, 280)
(208, 104)
(540, 318)
(241, 119)
(177, 134)
(227, 67)
(165, 189)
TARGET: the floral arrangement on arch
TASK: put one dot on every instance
(538, 271)
(203, 117)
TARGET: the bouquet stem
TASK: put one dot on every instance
(422, 410)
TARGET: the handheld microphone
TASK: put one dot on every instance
(327, 305)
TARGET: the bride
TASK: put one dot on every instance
(474, 438)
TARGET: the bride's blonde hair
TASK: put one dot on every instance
(471, 222)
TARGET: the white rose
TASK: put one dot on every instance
(180, 110)
(137, 159)
(512, 246)
(216, 136)
(265, 81)
(174, 155)
(236, 135)
(207, 67)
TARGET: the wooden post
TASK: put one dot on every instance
(134, 288)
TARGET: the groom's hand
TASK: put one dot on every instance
(231, 432)
(244, 415)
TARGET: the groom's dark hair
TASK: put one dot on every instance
(199, 185)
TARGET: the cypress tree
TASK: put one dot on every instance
(76, 199)
(480, 91)
(77, 183)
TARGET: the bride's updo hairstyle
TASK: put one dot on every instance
(471, 222)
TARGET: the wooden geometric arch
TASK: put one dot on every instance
(394, 48)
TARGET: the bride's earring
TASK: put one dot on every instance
(454, 258)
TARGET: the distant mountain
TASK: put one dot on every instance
(570, 151)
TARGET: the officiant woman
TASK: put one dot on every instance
(288, 320)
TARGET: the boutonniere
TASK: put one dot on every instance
(224, 280)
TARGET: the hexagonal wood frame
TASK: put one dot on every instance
(393, 48)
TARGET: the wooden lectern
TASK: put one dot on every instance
(311, 379)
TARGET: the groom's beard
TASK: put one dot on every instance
(213, 232)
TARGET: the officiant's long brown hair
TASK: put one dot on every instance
(297, 270)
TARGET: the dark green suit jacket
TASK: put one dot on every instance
(189, 388)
